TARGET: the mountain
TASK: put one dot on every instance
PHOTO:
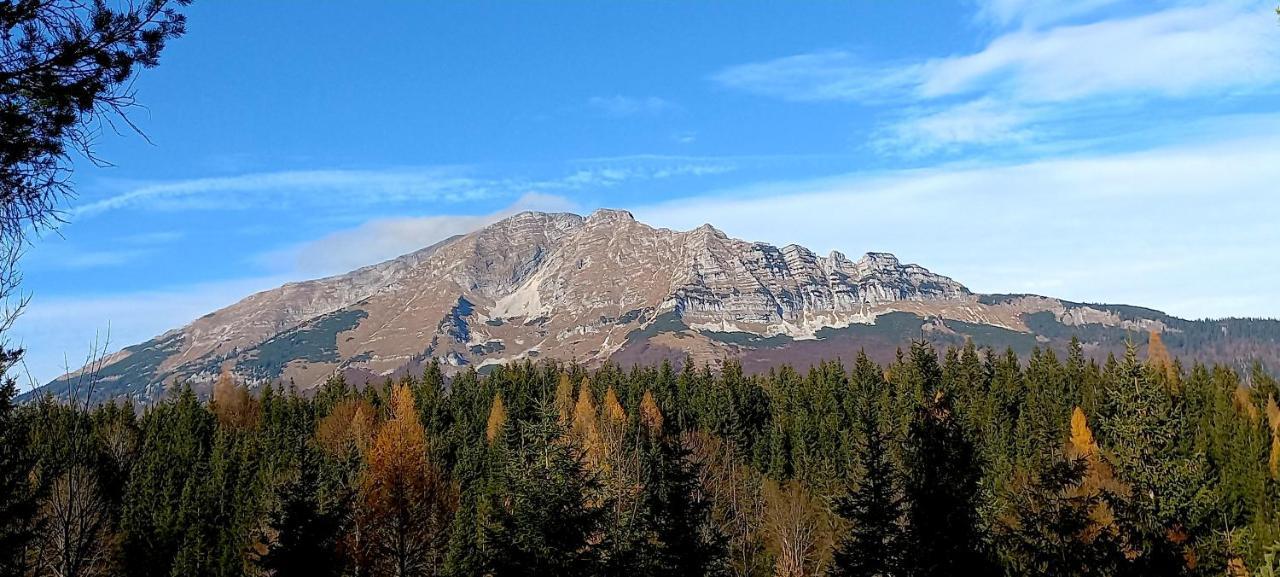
(606, 287)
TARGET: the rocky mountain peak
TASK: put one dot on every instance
(878, 261)
(610, 215)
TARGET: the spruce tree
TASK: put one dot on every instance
(17, 495)
(942, 482)
(306, 532)
(874, 545)
(546, 510)
(1169, 516)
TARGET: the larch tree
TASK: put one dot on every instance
(794, 525)
(408, 501)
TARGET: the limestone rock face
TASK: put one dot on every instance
(563, 286)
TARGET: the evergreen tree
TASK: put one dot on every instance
(162, 490)
(942, 482)
(1060, 520)
(874, 546)
(1143, 428)
(546, 512)
(667, 530)
(306, 531)
(17, 495)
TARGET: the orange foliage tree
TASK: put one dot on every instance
(408, 502)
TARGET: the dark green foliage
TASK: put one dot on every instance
(1142, 424)
(941, 485)
(307, 531)
(1051, 530)
(875, 545)
(545, 510)
(63, 66)
(925, 467)
(668, 530)
(315, 341)
(17, 495)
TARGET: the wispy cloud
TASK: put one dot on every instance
(611, 174)
(348, 189)
(1050, 53)
(1034, 13)
(618, 106)
(153, 238)
(351, 186)
(979, 122)
(100, 258)
(1176, 52)
(383, 239)
(818, 76)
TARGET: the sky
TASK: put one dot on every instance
(1098, 150)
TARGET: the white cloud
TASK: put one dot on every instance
(1173, 53)
(1034, 13)
(384, 239)
(979, 122)
(1190, 230)
(1195, 50)
(98, 258)
(153, 238)
(347, 189)
(833, 75)
(353, 186)
(619, 106)
(611, 173)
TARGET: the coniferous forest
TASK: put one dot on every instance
(956, 462)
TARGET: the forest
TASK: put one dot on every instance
(965, 461)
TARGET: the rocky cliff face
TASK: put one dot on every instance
(589, 290)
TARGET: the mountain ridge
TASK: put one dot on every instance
(606, 287)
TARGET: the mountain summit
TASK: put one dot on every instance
(607, 287)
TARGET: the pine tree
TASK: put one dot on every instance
(17, 495)
(161, 496)
(941, 489)
(1059, 520)
(546, 511)
(305, 531)
(1143, 429)
(874, 509)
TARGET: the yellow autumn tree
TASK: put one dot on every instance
(564, 399)
(613, 410)
(1158, 357)
(232, 403)
(349, 426)
(407, 502)
(1273, 423)
(1065, 511)
(1242, 399)
(1098, 481)
(497, 418)
(650, 414)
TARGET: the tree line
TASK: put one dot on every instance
(959, 462)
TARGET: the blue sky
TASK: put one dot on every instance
(1100, 150)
